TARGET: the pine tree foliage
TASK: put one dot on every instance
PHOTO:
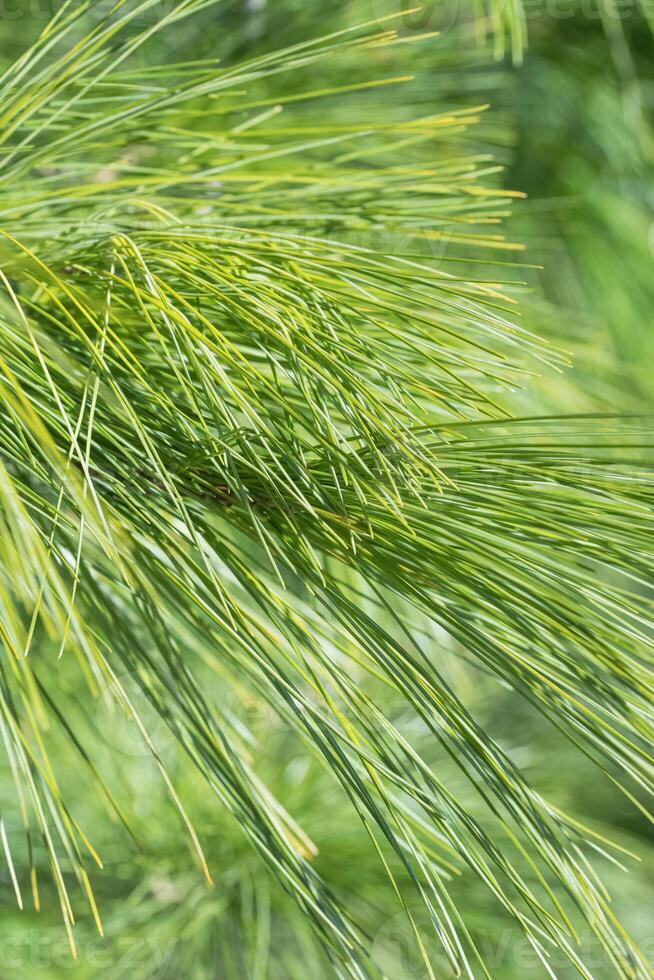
(239, 442)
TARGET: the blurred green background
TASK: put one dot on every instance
(571, 122)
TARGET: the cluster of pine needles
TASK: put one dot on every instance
(259, 444)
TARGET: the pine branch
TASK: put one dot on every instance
(233, 437)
